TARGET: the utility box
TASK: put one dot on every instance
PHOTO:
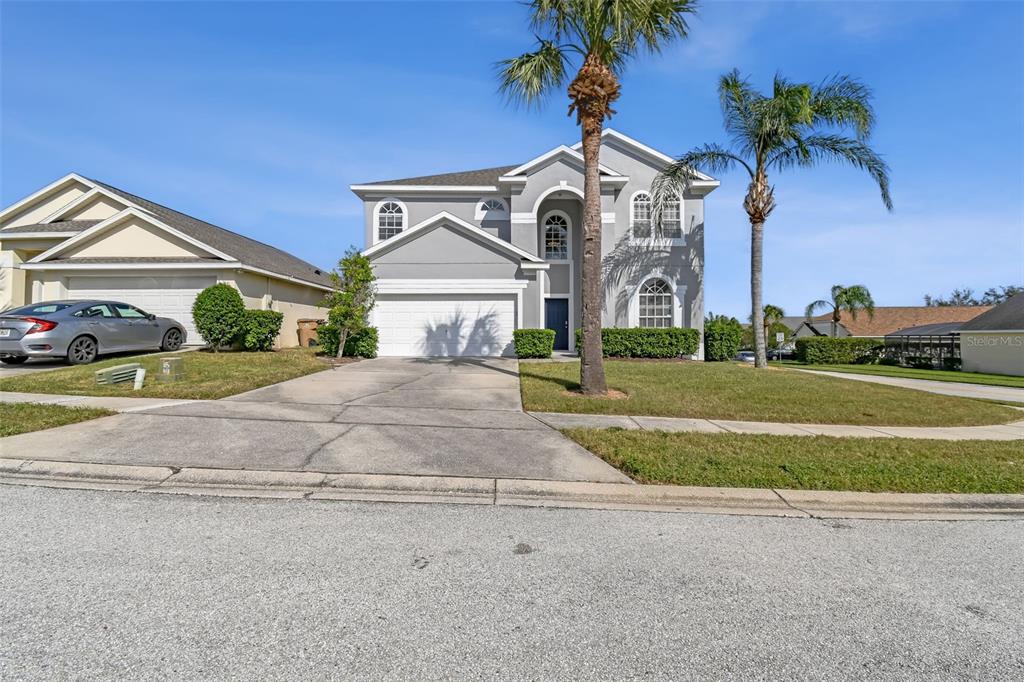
(118, 374)
(171, 369)
(307, 332)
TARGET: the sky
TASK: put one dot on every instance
(257, 116)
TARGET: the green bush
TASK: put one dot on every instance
(361, 344)
(219, 315)
(828, 350)
(722, 338)
(260, 328)
(952, 364)
(534, 343)
(643, 342)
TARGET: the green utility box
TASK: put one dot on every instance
(115, 375)
(171, 369)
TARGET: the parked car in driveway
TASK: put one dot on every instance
(82, 330)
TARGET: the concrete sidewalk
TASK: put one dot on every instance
(559, 420)
(113, 403)
(1004, 394)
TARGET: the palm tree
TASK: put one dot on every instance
(597, 38)
(799, 125)
(773, 314)
(851, 299)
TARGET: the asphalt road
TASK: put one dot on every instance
(142, 586)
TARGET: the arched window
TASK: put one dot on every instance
(556, 237)
(390, 220)
(640, 216)
(655, 302)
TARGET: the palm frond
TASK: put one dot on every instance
(815, 306)
(672, 181)
(855, 298)
(527, 78)
(844, 101)
(738, 100)
(813, 149)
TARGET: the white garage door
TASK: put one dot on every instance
(163, 296)
(445, 326)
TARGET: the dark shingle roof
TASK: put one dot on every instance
(1007, 315)
(246, 250)
(483, 176)
(60, 226)
(937, 329)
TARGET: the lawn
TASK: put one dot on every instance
(18, 418)
(207, 375)
(811, 462)
(911, 373)
(727, 390)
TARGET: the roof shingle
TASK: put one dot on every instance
(59, 226)
(889, 319)
(483, 176)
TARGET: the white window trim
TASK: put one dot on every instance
(662, 242)
(481, 214)
(568, 236)
(376, 217)
(678, 292)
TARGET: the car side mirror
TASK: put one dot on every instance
(151, 317)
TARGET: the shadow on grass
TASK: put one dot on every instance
(564, 384)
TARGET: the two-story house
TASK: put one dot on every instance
(463, 259)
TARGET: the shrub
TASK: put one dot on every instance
(722, 338)
(360, 344)
(642, 342)
(920, 361)
(218, 313)
(260, 328)
(534, 343)
(952, 364)
(828, 350)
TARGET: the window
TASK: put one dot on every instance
(390, 220)
(556, 237)
(129, 312)
(38, 309)
(671, 222)
(98, 310)
(642, 221)
(655, 304)
(492, 205)
(642, 215)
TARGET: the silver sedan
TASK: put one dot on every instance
(82, 330)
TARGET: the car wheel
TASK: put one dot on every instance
(14, 360)
(172, 340)
(82, 351)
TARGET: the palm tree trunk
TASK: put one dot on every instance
(592, 381)
(756, 273)
(835, 323)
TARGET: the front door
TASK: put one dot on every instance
(556, 317)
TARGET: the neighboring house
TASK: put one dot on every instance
(463, 259)
(891, 319)
(800, 327)
(79, 238)
(994, 342)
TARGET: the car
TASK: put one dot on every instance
(745, 356)
(82, 330)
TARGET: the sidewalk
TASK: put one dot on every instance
(1004, 394)
(109, 402)
(559, 420)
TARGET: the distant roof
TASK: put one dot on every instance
(246, 250)
(58, 226)
(940, 329)
(1007, 315)
(483, 176)
(889, 319)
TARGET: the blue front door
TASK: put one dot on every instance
(556, 317)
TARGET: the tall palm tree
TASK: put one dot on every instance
(799, 125)
(596, 38)
(851, 299)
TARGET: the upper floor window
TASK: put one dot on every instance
(491, 209)
(641, 215)
(655, 302)
(671, 221)
(642, 219)
(390, 219)
(556, 237)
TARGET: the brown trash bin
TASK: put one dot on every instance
(307, 333)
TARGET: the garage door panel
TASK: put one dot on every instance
(163, 296)
(450, 326)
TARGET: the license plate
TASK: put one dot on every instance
(5, 332)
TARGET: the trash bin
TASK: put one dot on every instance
(307, 332)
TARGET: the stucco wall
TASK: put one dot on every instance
(44, 206)
(993, 353)
(419, 208)
(445, 253)
(99, 207)
(294, 301)
(135, 238)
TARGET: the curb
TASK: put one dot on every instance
(509, 492)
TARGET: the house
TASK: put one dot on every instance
(891, 319)
(464, 258)
(80, 238)
(800, 327)
(994, 341)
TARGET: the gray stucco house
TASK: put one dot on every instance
(463, 259)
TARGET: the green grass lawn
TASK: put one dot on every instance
(727, 390)
(18, 418)
(910, 373)
(811, 462)
(207, 375)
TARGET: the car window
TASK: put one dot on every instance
(129, 311)
(38, 309)
(98, 310)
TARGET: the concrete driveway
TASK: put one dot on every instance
(444, 417)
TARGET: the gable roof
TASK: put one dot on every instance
(59, 226)
(483, 176)
(1008, 315)
(889, 319)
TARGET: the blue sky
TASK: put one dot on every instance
(257, 117)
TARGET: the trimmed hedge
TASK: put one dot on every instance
(260, 328)
(643, 342)
(829, 350)
(219, 315)
(722, 338)
(362, 344)
(534, 343)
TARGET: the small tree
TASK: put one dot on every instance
(352, 299)
(219, 315)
